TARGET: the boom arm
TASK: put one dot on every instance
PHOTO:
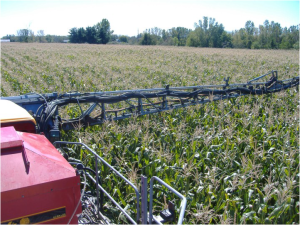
(45, 108)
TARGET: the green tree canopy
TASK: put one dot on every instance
(208, 33)
(148, 39)
(98, 34)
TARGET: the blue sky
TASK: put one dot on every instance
(130, 16)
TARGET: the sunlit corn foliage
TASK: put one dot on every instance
(86, 68)
(236, 161)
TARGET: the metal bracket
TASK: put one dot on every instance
(182, 205)
(144, 199)
(226, 82)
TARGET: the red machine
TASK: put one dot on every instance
(37, 184)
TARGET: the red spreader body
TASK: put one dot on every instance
(37, 184)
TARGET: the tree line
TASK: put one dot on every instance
(28, 36)
(207, 33)
(97, 34)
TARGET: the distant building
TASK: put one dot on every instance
(65, 41)
(5, 40)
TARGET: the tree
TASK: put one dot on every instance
(49, 38)
(123, 38)
(156, 31)
(290, 38)
(81, 35)
(276, 32)
(148, 39)
(194, 38)
(103, 31)
(23, 35)
(40, 36)
(179, 35)
(99, 33)
(31, 37)
(11, 37)
(296, 45)
(249, 26)
(166, 38)
(216, 32)
(73, 37)
(239, 38)
(91, 33)
(164, 35)
(226, 40)
(209, 34)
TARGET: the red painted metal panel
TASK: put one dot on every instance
(10, 138)
(43, 168)
(37, 203)
(47, 183)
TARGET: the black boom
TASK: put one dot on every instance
(45, 107)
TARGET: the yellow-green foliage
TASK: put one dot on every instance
(82, 67)
(236, 161)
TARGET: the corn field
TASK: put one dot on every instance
(236, 161)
